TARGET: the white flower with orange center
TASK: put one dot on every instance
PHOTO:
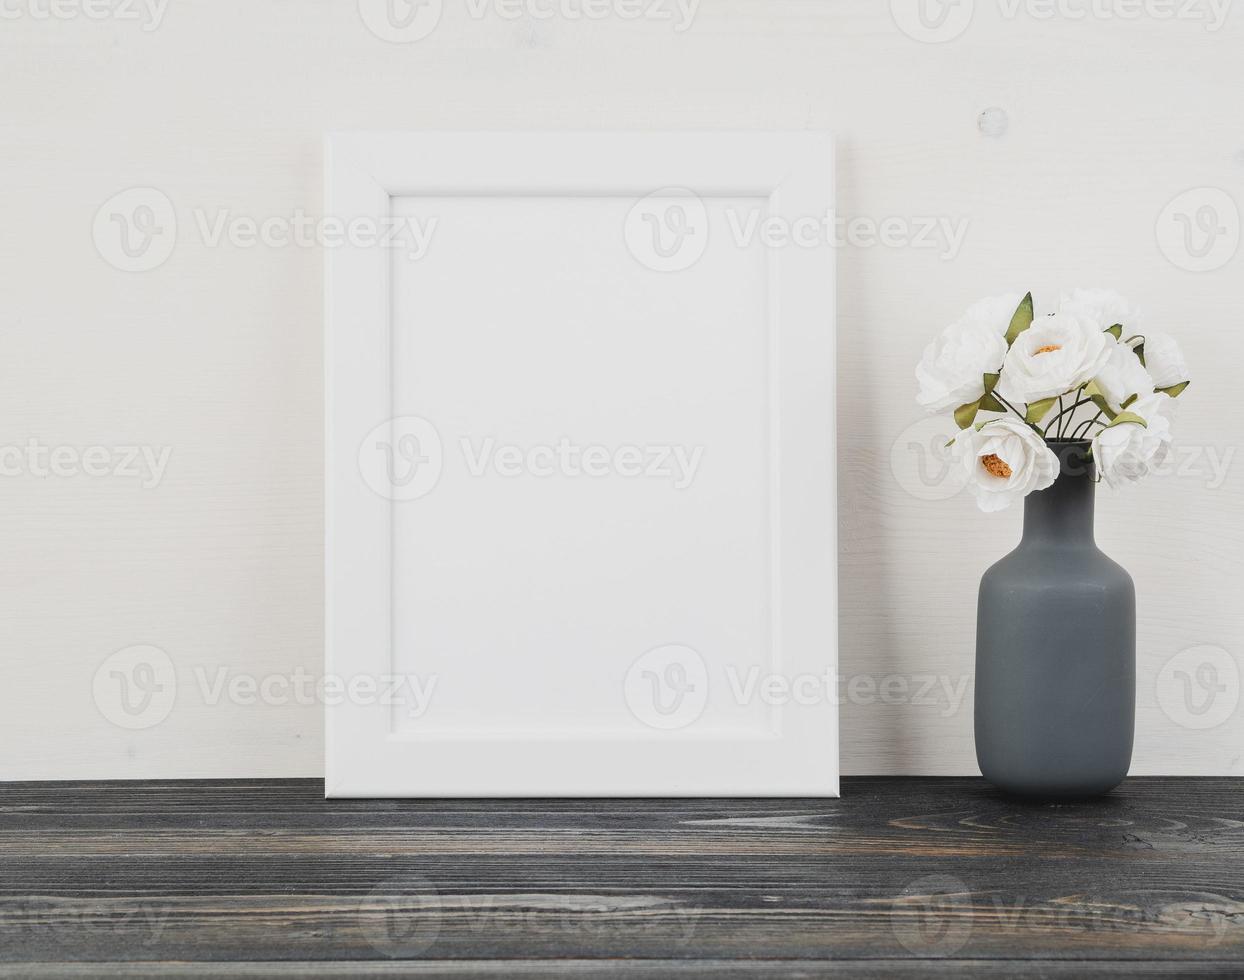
(1005, 461)
(1057, 354)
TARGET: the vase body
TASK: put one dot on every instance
(1056, 650)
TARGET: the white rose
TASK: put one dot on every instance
(1123, 376)
(994, 312)
(952, 369)
(1164, 360)
(1005, 460)
(1104, 307)
(1128, 451)
(1056, 354)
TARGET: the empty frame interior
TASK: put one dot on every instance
(527, 584)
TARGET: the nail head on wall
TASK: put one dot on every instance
(993, 122)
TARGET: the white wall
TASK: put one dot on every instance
(217, 355)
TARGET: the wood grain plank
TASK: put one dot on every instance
(932, 870)
(624, 969)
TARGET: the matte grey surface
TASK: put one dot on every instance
(1056, 650)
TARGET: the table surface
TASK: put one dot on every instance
(901, 876)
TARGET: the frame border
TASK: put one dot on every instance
(794, 170)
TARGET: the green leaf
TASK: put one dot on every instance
(1099, 399)
(1128, 400)
(1038, 410)
(1139, 351)
(989, 403)
(1021, 320)
(1116, 331)
(1175, 390)
(964, 414)
(991, 381)
(1128, 417)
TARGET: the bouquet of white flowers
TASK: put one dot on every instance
(1017, 381)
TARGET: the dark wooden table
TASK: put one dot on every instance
(899, 877)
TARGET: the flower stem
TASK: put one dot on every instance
(1082, 430)
(1064, 411)
(1009, 405)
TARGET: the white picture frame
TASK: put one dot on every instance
(542, 301)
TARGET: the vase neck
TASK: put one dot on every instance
(1062, 514)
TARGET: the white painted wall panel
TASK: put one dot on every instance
(213, 360)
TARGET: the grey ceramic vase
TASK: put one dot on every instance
(1056, 650)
